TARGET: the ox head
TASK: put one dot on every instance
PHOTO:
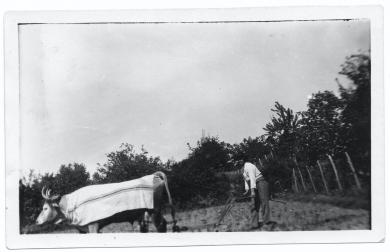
(50, 208)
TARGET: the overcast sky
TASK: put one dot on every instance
(87, 88)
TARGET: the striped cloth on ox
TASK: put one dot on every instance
(96, 202)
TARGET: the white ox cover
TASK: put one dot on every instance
(96, 202)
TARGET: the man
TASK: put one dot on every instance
(259, 192)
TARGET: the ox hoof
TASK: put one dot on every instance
(183, 228)
(176, 229)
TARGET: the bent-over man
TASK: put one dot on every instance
(259, 192)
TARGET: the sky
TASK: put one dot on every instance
(87, 88)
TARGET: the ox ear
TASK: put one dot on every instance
(55, 204)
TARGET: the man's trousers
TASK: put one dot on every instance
(261, 212)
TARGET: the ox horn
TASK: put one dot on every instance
(46, 194)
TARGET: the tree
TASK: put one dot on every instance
(126, 164)
(68, 179)
(282, 131)
(71, 177)
(356, 114)
(356, 100)
(195, 176)
(321, 123)
(253, 148)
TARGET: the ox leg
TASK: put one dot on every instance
(158, 198)
(93, 228)
(134, 224)
(137, 226)
(159, 222)
(144, 225)
(82, 230)
(103, 223)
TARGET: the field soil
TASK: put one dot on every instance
(294, 214)
(291, 216)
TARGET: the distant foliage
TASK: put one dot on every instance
(283, 131)
(125, 164)
(331, 125)
(252, 148)
(356, 113)
(69, 178)
(321, 123)
(194, 178)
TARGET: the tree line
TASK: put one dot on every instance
(289, 153)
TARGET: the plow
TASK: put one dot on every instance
(217, 225)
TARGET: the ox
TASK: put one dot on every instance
(56, 210)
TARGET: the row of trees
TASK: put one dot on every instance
(331, 125)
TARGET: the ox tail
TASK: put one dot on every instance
(164, 178)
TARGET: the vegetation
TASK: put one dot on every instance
(68, 179)
(126, 164)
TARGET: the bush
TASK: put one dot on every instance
(195, 178)
(68, 179)
(125, 164)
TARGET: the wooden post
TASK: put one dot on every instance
(261, 163)
(303, 182)
(359, 186)
(323, 177)
(300, 174)
(296, 189)
(335, 172)
(311, 180)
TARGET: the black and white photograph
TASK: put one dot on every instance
(230, 122)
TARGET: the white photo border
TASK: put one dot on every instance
(15, 240)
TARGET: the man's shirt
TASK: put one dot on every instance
(251, 175)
